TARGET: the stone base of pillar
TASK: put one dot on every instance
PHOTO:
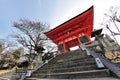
(39, 58)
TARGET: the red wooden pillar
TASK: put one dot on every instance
(88, 37)
(64, 47)
(78, 38)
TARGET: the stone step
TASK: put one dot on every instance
(62, 61)
(35, 79)
(75, 75)
(75, 52)
(88, 58)
(68, 58)
(71, 65)
(99, 78)
(71, 69)
(72, 53)
(68, 65)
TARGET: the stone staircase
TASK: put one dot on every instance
(71, 65)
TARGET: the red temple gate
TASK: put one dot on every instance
(73, 32)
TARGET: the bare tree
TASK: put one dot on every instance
(5, 44)
(16, 54)
(32, 35)
(114, 17)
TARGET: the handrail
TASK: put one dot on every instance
(46, 62)
(108, 64)
(111, 66)
(43, 64)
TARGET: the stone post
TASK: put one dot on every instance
(39, 58)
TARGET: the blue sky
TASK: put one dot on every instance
(13, 10)
(47, 11)
(52, 12)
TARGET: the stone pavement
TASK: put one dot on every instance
(5, 74)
